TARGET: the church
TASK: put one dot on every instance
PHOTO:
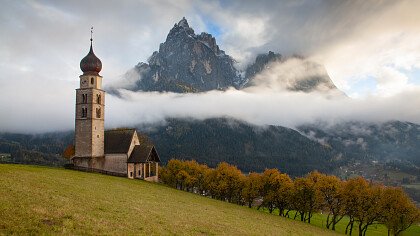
(121, 152)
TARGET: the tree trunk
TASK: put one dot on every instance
(328, 221)
(287, 214)
(270, 209)
(295, 215)
(360, 229)
(334, 222)
(350, 224)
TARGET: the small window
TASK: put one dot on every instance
(98, 98)
(84, 98)
(131, 174)
(92, 80)
(84, 112)
(98, 112)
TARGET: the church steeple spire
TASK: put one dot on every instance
(91, 64)
(90, 107)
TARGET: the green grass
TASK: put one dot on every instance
(373, 230)
(41, 200)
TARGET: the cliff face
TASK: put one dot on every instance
(187, 62)
(291, 73)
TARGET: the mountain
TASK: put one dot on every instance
(210, 141)
(293, 73)
(393, 140)
(40, 149)
(251, 148)
(188, 62)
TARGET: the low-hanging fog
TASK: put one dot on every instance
(266, 102)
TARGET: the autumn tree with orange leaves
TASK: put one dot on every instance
(252, 188)
(399, 212)
(363, 202)
(331, 194)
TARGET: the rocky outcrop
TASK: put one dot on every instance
(187, 62)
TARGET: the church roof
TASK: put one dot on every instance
(118, 140)
(143, 153)
(91, 64)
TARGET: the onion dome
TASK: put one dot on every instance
(91, 64)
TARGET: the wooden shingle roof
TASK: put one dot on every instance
(118, 140)
(143, 153)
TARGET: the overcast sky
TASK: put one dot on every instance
(370, 49)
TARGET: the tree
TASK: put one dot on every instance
(252, 188)
(331, 194)
(399, 212)
(169, 173)
(369, 210)
(305, 198)
(350, 189)
(269, 186)
(69, 152)
(284, 194)
(226, 183)
(362, 204)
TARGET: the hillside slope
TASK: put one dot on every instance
(249, 147)
(40, 200)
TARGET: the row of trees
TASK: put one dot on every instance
(364, 203)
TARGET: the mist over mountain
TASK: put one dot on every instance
(190, 76)
(301, 74)
(393, 140)
(250, 147)
(191, 63)
(187, 62)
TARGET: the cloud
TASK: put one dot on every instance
(48, 105)
(285, 109)
(43, 41)
(355, 40)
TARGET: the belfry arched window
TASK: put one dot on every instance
(84, 112)
(98, 98)
(84, 98)
(98, 112)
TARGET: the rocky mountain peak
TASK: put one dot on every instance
(183, 23)
(189, 62)
(261, 63)
(183, 28)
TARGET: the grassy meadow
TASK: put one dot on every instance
(373, 230)
(42, 200)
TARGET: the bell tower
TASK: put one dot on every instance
(90, 107)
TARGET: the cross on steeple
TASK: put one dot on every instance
(91, 33)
